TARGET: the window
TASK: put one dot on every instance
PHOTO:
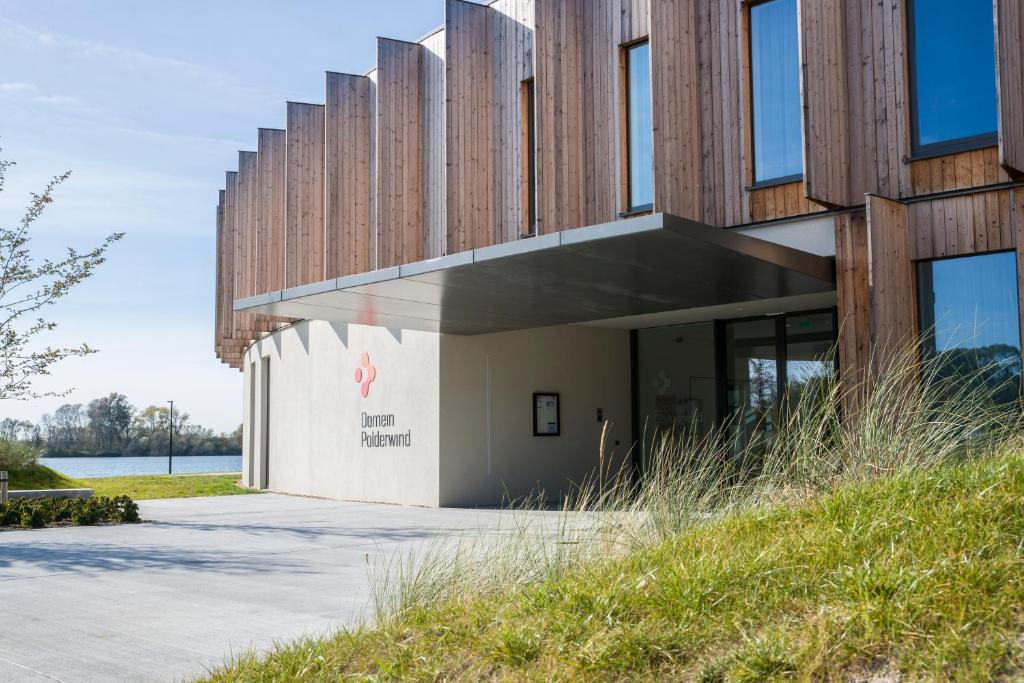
(639, 127)
(528, 169)
(775, 92)
(952, 75)
(969, 319)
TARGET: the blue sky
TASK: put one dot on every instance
(148, 104)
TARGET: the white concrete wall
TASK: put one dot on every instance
(487, 386)
(315, 411)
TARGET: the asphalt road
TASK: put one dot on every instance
(207, 577)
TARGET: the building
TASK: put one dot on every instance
(548, 216)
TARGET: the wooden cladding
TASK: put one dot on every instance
(977, 168)
(1009, 23)
(429, 153)
(823, 99)
(471, 115)
(245, 225)
(697, 81)
(271, 160)
(400, 171)
(894, 306)
(579, 108)
(965, 224)
(853, 296)
(349, 132)
(304, 195)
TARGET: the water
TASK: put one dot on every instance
(88, 468)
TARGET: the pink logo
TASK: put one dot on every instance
(365, 374)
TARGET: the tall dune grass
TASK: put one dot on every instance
(906, 417)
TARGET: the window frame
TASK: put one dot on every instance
(931, 150)
(755, 184)
(528, 158)
(627, 186)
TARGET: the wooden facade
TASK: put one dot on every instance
(426, 154)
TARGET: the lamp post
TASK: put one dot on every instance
(170, 441)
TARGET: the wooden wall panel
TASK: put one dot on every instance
(676, 97)
(976, 168)
(512, 59)
(780, 201)
(304, 195)
(579, 110)
(559, 86)
(270, 213)
(374, 185)
(1009, 25)
(347, 137)
(883, 89)
(400, 167)
(853, 297)
(965, 224)
(471, 121)
(823, 100)
(246, 209)
(893, 302)
(218, 284)
(434, 179)
(698, 110)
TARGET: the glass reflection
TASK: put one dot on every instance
(970, 321)
(641, 158)
(953, 70)
(775, 86)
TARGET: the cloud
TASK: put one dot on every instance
(125, 58)
(18, 86)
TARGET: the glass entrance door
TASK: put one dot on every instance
(753, 380)
(770, 362)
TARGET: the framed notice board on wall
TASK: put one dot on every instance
(546, 415)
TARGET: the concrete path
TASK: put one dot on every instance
(208, 577)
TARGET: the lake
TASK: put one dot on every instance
(88, 468)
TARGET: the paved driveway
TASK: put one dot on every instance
(209, 576)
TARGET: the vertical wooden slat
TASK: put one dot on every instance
(894, 303)
(1009, 34)
(400, 212)
(348, 132)
(471, 115)
(270, 213)
(304, 240)
(823, 100)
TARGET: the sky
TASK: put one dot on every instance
(148, 105)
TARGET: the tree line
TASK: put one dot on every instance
(111, 425)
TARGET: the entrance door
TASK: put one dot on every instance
(767, 359)
(754, 378)
(264, 422)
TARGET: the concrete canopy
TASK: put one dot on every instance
(637, 266)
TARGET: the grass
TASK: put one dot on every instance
(143, 487)
(39, 477)
(151, 486)
(919, 573)
(877, 534)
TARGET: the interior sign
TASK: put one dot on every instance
(375, 436)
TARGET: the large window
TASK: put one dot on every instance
(638, 123)
(775, 91)
(970, 323)
(952, 75)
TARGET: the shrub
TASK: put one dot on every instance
(33, 513)
(17, 456)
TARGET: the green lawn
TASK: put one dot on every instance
(917, 576)
(144, 487)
